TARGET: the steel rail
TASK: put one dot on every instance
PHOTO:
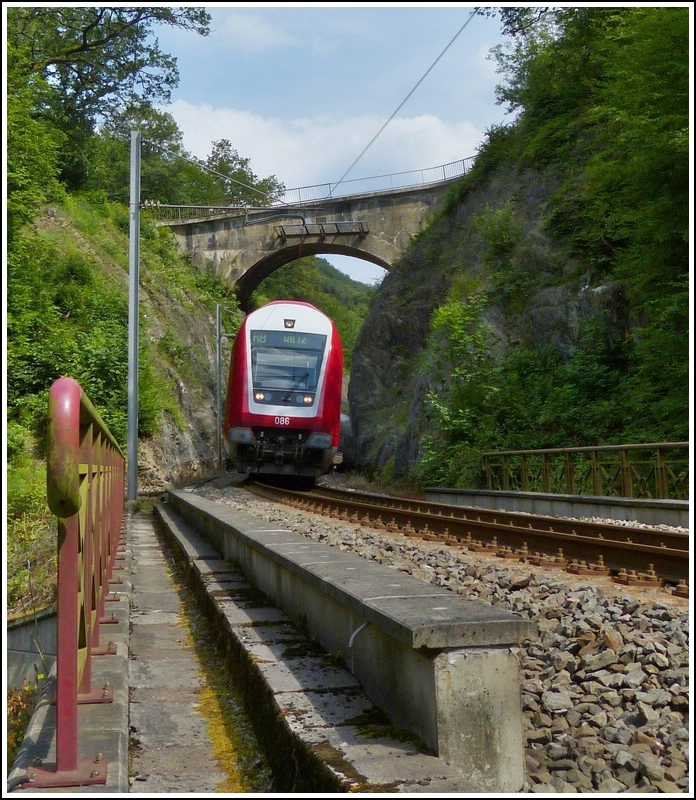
(631, 534)
(631, 555)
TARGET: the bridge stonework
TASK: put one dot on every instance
(244, 247)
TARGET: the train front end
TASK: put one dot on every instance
(283, 407)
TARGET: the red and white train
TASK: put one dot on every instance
(283, 406)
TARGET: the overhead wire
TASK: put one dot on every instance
(403, 102)
(269, 196)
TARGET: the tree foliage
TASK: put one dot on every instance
(238, 184)
(168, 174)
(457, 404)
(602, 103)
(89, 62)
(64, 318)
(31, 161)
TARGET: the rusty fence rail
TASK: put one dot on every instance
(658, 471)
(86, 491)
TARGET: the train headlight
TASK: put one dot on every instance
(319, 441)
(260, 396)
(308, 399)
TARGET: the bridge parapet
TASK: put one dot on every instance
(318, 193)
(378, 183)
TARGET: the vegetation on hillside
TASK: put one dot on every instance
(601, 97)
(71, 108)
(21, 704)
(67, 314)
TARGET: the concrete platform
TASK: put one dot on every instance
(320, 731)
(322, 734)
(439, 666)
(343, 664)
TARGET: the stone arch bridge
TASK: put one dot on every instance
(242, 246)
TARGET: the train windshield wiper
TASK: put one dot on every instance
(286, 398)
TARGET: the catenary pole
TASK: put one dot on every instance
(133, 311)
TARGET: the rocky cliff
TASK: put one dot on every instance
(185, 448)
(387, 388)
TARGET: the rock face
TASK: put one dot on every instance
(174, 457)
(185, 448)
(388, 387)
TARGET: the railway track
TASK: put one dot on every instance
(630, 555)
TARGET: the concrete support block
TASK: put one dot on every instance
(479, 716)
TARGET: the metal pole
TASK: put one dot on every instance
(133, 281)
(219, 386)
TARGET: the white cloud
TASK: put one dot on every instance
(249, 33)
(318, 149)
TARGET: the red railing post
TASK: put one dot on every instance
(64, 500)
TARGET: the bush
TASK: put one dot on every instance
(21, 704)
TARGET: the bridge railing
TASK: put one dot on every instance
(86, 491)
(649, 471)
(376, 183)
(319, 191)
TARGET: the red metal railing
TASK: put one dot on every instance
(86, 491)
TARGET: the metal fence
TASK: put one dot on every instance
(86, 491)
(650, 471)
(376, 183)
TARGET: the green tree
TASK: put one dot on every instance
(90, 62)
(603, 96)
(168, 174)
(238, 185)
(637, 179)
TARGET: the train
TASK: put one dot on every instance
(283, 405)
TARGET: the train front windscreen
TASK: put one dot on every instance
(285, 367)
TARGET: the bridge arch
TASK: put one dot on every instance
(247, 283)
(242, 246)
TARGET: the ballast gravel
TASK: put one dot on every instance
(605, 689)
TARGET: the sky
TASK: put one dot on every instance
(321, 93)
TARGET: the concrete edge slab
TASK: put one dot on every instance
(357, 761)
